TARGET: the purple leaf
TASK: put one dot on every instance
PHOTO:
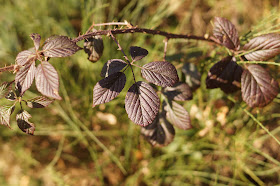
(112, 66)
(39, 102)
(5, 113)
(177, 115)
(161, 73)
(179, 92)
(225, 74)
(226, 33)
(159, 133)
(263, 47)
(137, 53)
(59, 46)
(47, 81)
(25, 76)
(109, 88)
(23, 123)
(258, 87)
(141, 103)
(25, 57)
(36, 39)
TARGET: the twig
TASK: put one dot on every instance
(165, 48)
(7, 68)
(144, 31)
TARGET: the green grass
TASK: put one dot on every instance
(229, 145)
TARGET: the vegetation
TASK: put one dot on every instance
(229, 143)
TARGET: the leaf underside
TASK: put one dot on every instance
(36, 39)
(179, 92)
(161, 73)
(137, 53)
(226, 75)
(25, 57)
(112, 66)
(47, 81)
(159, 133)
(142, 103)
(23, 123)
(24, 78)
(226, 33)
(258, 87)
(177, 115)
(108, 88)
(59, 46)
(263, 47)
(38, 102)
(5, 113)
(5, 88)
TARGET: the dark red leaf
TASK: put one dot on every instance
(47, 81)
(177, 115)
(23, 123)
(39, 102)
(36, 39)
(59, 46)
(258, 87)
(112, 66)
(109, 88)
(225, 74)
(25, 57)
(137, 53)
(179, 92)
(263, 47)
(141, 103)
(226, 33)
(94, 47)
(159, 133)
(161, 73)
(25, 76)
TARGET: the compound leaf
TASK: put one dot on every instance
(159, 133)
(263, 47)
(47, 81)
(25, 76)
(226, 33)
(141, 103)
(26, 56)
(39, 102)
(177, 115)
(258, 87)
(112, 66)
(5, 113)
(23, 123)
(108, 88)
(137, 53)
(60, 46)
(226, 74)
(179, 92)
(161, 73)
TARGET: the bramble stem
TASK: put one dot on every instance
(144, 31)
(7, 68)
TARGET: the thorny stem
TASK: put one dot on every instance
(144, 31)
(8, 68)
(113, 37)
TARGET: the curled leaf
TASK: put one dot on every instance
(141, 103)
(177, 115)
(226, 74)
(25, 76)
(226, 33)
(59, 46)
(47, 81)
(23, 123)
(263, 47)
(5, 113)
(179, 92)
(94, 47)
(5, 88)
(159, 133)
(137, 53)
(108, 88)
(39, 102)
(112, 66)
(258, 87)
(36, 39)
(161, 73)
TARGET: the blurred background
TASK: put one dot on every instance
(75, 144)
